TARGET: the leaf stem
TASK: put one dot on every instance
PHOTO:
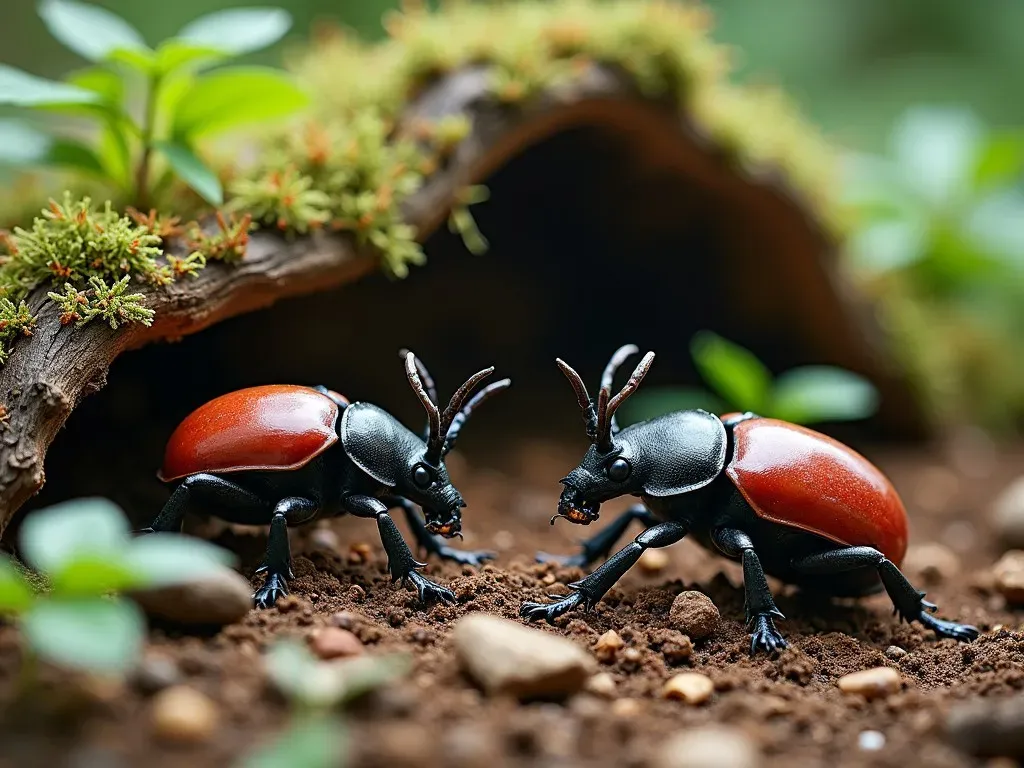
(148, 128)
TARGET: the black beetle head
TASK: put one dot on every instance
(429, 486)
(669, 455)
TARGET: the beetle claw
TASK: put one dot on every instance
(765, 637)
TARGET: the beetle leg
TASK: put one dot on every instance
(600, 545)
(434, 545)
(277, 563)
(758, 602)
(214, 491)
(589, 591)
(908, 601)
(402, 565)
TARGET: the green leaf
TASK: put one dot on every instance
(161, 559)
(89, 30)
(65, 153)
(100, 80)
(657, 401)
(817, 393)
(1001, 161)
(93, 576)
(311, 741)
(192, 171)
(20, 89)
(15, 593)
(236, 96)
(21, 144)
(95, 635)
(178, 54)
(937, 150)
(91, 527)
(732, 371)
(141, 59)
(238, 30)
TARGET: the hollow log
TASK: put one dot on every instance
(49, 374)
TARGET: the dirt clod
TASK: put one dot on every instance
(708, 747)
(689, 687)
(183, 715)
(335, 643)
(694, 615)
(508, 658)
(871, 683)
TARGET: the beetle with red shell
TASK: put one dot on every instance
(780, 498)
(284, 455)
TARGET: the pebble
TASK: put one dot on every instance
(324, 538)
(156, 672)
(1008, 515)
(215, 600)
(335, 643)
(626, 708)
(689, 687)
(675, 646)
(895, 653)
(470, 745)
(932, 563)
(608, 645)
(871, 741)
(1008, 574)
(505, 657)
(602, 684)
(871, 683)
(694, 615)
(707, 747)
(988, 727)
(184, 716)
(653, 561)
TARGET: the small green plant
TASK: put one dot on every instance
(82, 553)
(183, 102)
(740, 382)
(315, 737)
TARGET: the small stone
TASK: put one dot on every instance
(346, 619)
(674, 646)
(988, 727)
(626, 708)
(1008, 515)
(504, 540)
(1008, 573)
(470, 745)
(694, 615)
(707, 747)
(505, 657)
(602, 684)
(324, 538)
(607, 646)
(895, 653)
(653, 561)
(632, 658)
(223, 597)
(335, 643)
(871, 683)
(931, 563)
(156, 672)
(184, 716)
(871, 741)
(359, 552)
(689, 687)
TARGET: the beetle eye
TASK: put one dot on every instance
(619, 470)
(422, 477)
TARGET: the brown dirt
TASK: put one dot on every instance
(789, 706)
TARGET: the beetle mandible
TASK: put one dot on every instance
(780, 498)
(283, 455)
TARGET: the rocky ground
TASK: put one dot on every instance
(652, 678)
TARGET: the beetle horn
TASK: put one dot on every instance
(459, 398)
(460, 418)
(582, 397)
(433, 439)
(607, 412)
(425, 377)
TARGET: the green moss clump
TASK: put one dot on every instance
(15, 320)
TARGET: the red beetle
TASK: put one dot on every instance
(283, 455)
(781, 498)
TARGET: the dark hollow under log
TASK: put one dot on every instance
(611, 220)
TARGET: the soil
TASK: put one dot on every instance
(789, 706)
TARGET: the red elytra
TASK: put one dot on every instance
(273, 427)
(795, 476)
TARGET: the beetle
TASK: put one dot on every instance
(780, 498)
(285, 454)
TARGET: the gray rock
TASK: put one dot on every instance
(707, 747)
(1008, 515)
(988, 727)
(508, 658)
(215, 600)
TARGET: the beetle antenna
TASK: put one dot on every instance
(582, 397)
(433, 416)
(460, 418)
(630, 387)
(428, 380)
(459, 398)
